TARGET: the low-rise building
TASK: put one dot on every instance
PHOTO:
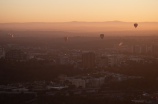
(15, 55)
(78, 83)
(2, 52)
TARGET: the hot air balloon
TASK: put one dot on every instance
(65, 38)
(135, 25)
(101, 36)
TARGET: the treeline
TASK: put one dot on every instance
(148, 81)
(33, 70)
(146, 70)
(59, 99)
(80, 100)
(143, 84)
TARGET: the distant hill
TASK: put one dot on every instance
(80, 27)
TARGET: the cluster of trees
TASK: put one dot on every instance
(59, 99)
(142, 84)
(20, 98)
(33, 70)
(147, 70)
(80, 100)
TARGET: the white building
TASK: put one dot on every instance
(136, 59)
(112, 60)
(64, 60)
(20, 90)
(78, 83)
(96, 82)
(58, 88)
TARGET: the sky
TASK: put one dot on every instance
(78, 10)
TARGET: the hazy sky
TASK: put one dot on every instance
(78, 10)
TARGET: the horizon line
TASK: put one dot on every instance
(84, 22)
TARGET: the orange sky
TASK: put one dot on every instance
(78, 10)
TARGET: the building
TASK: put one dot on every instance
(103, 61)
(64, 60)
(143, 49)
(62, 77)
(112, 60)
(136, 59)
(136, 49)
(88, 60)
(78, 83)
(96, 82)
(2, 52)
(15, 55)
(154, 48)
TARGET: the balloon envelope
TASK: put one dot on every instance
(65, 38)
(135, 25)
(101, 36)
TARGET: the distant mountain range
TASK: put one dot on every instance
(80, 22)
(77, 26)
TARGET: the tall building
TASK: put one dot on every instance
(64, 60)
(154, 48)
(15, 55)
(112, 60)
(103, 61)
(96, 82)
(143, 49)
(78, 83)
(136, 49)
(88, 60)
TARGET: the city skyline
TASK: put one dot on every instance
(78, 10)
